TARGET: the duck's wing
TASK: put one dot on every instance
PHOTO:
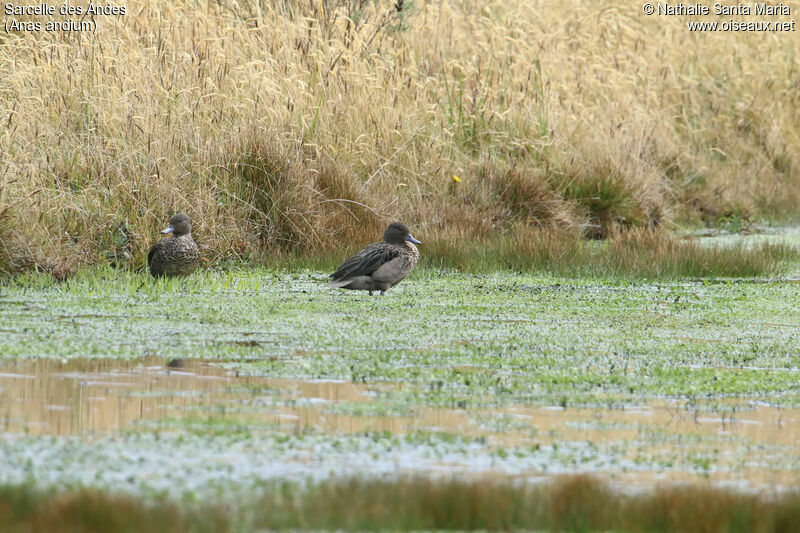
(366, 261)
(151, 252)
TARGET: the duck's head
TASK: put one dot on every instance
(179, 224)
(397, 232)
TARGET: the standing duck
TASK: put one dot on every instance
(382, 265)
(177, 255)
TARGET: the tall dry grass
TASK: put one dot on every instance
(291, 127)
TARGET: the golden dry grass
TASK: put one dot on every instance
(295, 126)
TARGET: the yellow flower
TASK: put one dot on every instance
(456, 179)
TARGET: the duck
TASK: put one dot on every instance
(177, 255)
(382, 265)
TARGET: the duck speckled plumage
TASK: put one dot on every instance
(382, 265)
(177, 255)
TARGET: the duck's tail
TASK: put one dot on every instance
(338, 284)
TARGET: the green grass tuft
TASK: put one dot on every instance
(644, 253)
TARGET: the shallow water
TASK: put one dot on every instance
(666, 441)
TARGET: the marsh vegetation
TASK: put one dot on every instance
(558, 160)
(416, 504)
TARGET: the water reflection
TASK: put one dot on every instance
(96, 396)
(78, 397)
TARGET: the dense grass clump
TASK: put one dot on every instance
(290, 127)
(567, 504)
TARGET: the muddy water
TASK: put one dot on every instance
(75, 397)
(95, 397)
(79, 397)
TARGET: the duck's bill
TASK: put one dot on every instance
(409, 238)
(168, 229)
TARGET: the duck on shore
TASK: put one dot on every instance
(382, 265)
(177, 255)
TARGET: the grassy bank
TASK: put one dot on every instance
(415, 504)
(292, 128)
(647, 254)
